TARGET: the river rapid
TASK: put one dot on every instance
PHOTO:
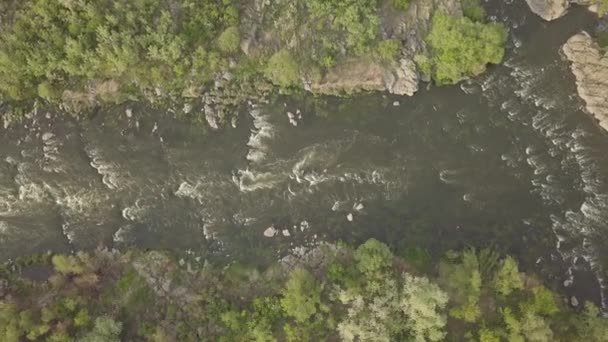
(508, 160)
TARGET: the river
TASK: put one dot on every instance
(508, 160)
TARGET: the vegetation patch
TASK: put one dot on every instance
(461, 48)
(362, 294)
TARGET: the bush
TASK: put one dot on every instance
(461, 48)
(67, 264)
(401, 4)
(473, 10)
(388, 50)
(229, 40)
(282, 69)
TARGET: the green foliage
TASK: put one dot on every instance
(104, 330)
(487, 335)
(536, 329)
(424, 65)
(373, 256)
(229, 40)
(513, 325)
(542, 302)
(360, 295)
(301, 295)
(401, 4)
(388, 50)
(507, 278)
(462, 280)
(602, 38)
(67, 264)
(47, 92)
(255, 324)
(137, 43)
(282, 69)
(473, 10)
(423, 303)
(461, 48)
(591, 326)
(602, 7)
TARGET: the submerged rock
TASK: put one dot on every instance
(548, 9)
(590, 67)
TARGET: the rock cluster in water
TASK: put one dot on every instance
(590, 67)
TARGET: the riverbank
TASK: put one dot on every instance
(332, 292)
(208, 59)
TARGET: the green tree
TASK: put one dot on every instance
(423, 303)
(507, 278)
(462, 48)
(301, 295)
(462, 280)
(373, 256)
(105, 330)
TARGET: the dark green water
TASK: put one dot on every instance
(508, 160)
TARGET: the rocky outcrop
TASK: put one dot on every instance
(590, 67)
(549, 9)
(401, 77)
(405, 80)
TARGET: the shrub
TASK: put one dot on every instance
(229, 40)
(282, 69)
(473, 10)
(67, 264)
(461, 48)
(388, 50)
(47, 92)
(401, 4)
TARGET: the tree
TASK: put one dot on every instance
(507, 278)
(373, 256)
(301, 295)
(104, 330)
(462, 48)
(462, 280)
(536, 329)
(423, 303)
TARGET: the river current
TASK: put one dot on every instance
(508, 160)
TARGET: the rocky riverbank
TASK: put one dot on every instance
(553, 9)
(590, 67)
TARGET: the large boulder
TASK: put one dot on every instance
(549, 9)
(590, 67)
(405, 78)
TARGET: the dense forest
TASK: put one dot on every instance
(329, 293)
(111, 51)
